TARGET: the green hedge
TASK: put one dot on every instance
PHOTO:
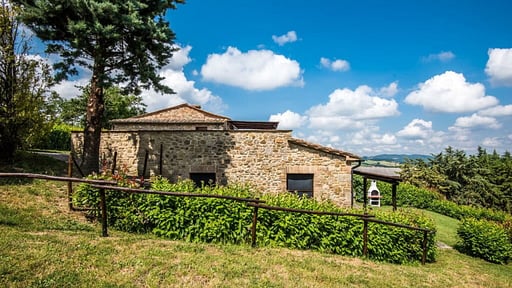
(484, 239)
(223, 221)
(485, 233)
(409, 195)
(59, 138)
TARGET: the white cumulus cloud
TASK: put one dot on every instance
(499, 67)
(174, 77)
(253, 70)
(180, 58)
(475, 121)
(450, 93)
(443, 56)
(385, 139)
(346, 108)
(186, 90)
(492, 142)
(289, 37)
(289, 120)
(390, 90)
(68, 89)
(497, 111)
(417, 129)
(336, 65)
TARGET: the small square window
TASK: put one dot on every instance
(300, 184)
(203, 179)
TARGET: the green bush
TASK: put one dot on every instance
(199, 219)
(484, 239)
(407, 241)
(409, 195)
(59, 138)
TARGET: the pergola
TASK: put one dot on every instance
(389, 175)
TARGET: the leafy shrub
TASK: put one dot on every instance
(199, 219)
(343, 235)
(409, 195)
(59, 138)
(484, 239)
(123, 210)
(407, 241)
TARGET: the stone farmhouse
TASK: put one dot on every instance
(185, 141)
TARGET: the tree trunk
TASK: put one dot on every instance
(9, 140)
(92, 131)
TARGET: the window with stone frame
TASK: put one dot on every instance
(300, 184)
(203, 179)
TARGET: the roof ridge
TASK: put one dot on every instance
(322, 148)
(195, 107)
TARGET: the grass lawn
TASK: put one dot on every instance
(446, 226)
(45, 245)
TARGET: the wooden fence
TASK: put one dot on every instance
(257, 204)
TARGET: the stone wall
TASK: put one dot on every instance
(261, 158)
(167, 125)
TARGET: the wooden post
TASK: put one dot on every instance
(145, 164)
(103, 206)
(77, 166)
(424, 256)
(393, 195)
(365, 194)
(70, 184)
(254, 223)
(161, 159)
(114, 163)
(365, 236)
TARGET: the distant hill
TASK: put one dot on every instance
(393, 158)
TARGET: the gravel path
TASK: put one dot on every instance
(59, 156)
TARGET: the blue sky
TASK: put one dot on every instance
(368, 77)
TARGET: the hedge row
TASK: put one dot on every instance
(59, 138)
(224, 221)
(484, 233)
(411, 196)
(484, 239)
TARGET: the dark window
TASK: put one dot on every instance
(203, 179)
(301, 184)
(201, 128)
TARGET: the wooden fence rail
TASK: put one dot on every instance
(256, 203)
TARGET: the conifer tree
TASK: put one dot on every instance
(120, 41)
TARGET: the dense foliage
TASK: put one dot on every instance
(59, 138)
(482, 180)
(409, 195)
(484, 232)
(485, 239)
(118, 105)
(198, 219)
(25, 110)
(120, 42)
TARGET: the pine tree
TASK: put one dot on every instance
(119, 41)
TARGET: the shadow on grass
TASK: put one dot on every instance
(29, 162)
